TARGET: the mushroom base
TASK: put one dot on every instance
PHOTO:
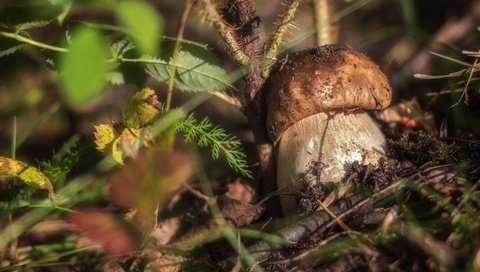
(332, 142)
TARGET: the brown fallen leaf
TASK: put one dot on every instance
(238, 212)
(240, 191)
(107, 230)
(146, 183)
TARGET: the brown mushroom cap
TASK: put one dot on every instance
(317, 80)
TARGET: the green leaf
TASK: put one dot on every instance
(66, 6)
(197, 68)
(105, 27)
(143, 23)
(115, 78)
(27, 14)
(120, 47)
(83, 69)
(27, 174)
(8, 46)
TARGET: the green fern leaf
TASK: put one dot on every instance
(204, 134)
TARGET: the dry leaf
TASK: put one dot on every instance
(146, 183)
(105, 229)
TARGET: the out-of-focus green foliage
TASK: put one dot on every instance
(83, 69)
(8, 47)
(27, 14)
(142, 23)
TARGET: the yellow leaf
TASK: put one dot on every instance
(104, 136)
(142, 109)
(127, 144)
(27, 174)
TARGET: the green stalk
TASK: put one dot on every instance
(178, 39)
(29, 41)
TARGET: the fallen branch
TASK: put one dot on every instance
(303, 227)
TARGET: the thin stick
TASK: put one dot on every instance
(318, 221)
(322, 19)
(14, 137)
(465, 90)
(178, 40)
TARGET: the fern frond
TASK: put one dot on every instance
(205, 134)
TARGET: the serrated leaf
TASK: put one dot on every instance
(197, 68)
(27, 174)
(27, 14)
(120, 47)
(31, 25)
(8, 46)
(143, 23)
(83, 69)
(66, 6)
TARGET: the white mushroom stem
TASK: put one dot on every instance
(335, 140)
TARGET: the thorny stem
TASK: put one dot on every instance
(225, 32)
(277, 38)
(178, 39)
(322, 17)
(29, 41)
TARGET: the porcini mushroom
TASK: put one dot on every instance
(316, 113)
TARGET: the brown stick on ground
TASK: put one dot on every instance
(303, 227)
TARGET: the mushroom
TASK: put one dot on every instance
(316, 100)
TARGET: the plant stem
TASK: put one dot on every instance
(277, 38)
(356, 5)
(178, 40)
(322, 17)
(233, 101)
(29, 41)
(14, 137)
(225, 32)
